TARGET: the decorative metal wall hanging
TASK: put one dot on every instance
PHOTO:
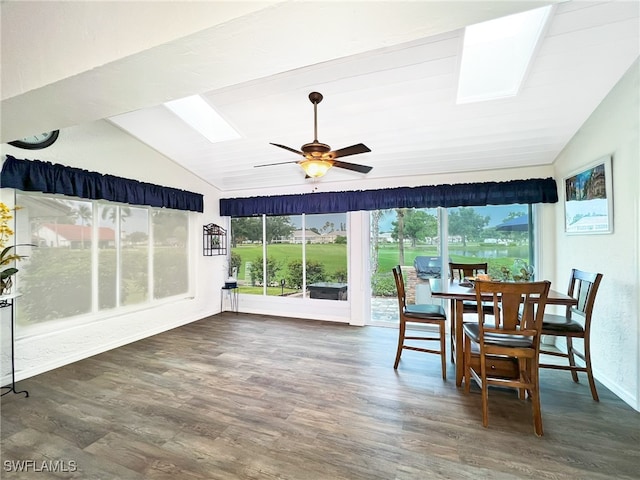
(214, 240)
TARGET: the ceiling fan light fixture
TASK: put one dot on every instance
(316, 168)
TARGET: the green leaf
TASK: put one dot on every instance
(7, 272)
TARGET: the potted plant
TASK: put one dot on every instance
(522, 271)
(8, 254)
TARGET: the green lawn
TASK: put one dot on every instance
(333, 256)
(388, 255)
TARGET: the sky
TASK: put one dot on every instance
(497, 214)
(318, 221)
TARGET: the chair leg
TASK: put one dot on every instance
(537, 414)
(522, 368)
(535, 400)
(452, 330)
(572, 359)
(587, 360)
(401, 333)
(467, 362)
(485, 392)
(443, 350)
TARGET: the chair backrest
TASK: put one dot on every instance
(583, 286)
(518, 307)
(461, 270)
(402, 297)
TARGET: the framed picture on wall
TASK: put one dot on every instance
(588, 199)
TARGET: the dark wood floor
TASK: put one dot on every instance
(253, 397)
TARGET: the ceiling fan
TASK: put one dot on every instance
(318, 157)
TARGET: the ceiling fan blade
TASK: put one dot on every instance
(277, 163)
(352, 166)
(288, 148)
(352, 150)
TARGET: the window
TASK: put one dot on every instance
(497, 234)
(170, 230)
(92, 256)
(285, 255)
(284, 244)
(134, 255)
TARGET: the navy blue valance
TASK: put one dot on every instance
(535, 190)
(39, 176)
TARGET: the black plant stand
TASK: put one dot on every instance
(232, 293)
(7, 301)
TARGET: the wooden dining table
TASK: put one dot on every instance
(452, 290)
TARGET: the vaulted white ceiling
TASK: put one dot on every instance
(388, 72)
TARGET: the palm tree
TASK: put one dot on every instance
(83, 213)
(109, 212)
(400, 224)
(376, 216)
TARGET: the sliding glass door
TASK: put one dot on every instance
(500, 235)
(405, 237)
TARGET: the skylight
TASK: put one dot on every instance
(496, 55)
(197, 113)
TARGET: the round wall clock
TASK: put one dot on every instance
(37, 141)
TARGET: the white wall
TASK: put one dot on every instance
(613, 129)
(103, 148)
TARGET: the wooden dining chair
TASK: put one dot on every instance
(423, 314)
(460, 271)
(576, 323)
(516, 336)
